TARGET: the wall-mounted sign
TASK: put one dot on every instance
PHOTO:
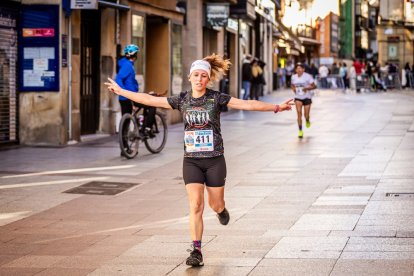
(217, 14)
(392, 51)
(38, 32)
(232, 25)
(84, 4)
(39, 48)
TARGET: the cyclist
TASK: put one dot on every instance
(126, 80)
(203, 162)
(303, 86)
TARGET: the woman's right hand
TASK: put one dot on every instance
(113, 86)
(287, 105)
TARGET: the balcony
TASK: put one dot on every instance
(361, 23)
(305, 31)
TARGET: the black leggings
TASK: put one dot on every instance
(211, 171)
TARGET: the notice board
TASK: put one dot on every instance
(38, 49)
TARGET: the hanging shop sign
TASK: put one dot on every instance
(38, 53)
(244, 9)
(216, 14)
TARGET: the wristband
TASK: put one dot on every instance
(277, 108)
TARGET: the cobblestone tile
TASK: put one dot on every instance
(326, 222)
(373, 267)
(308, 248)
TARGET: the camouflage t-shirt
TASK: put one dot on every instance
(201, 116)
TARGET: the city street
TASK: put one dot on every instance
(340, 201)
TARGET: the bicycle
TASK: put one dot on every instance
(132, 131)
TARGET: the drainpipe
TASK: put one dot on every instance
(240, 64)
(70, 81)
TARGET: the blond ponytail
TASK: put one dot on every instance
(219, 66)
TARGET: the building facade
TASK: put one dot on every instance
(327, 35)
(9, 17)
(53, 69)
(358, 20)
(395, 32)
(64, 59)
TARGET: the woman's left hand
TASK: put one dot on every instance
(286, 105)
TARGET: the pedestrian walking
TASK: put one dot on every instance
(358, 71)
(257, 80)
(126, 80)
(289, 71)
(247, 76)
(352, 78)
(343, 73)
(335, 69)
(406, 74)
(303, 86)
(323, 75)
(204, 166)
(313, 71)
(281, 76)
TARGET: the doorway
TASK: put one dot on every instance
(89, 82)
(157, 65)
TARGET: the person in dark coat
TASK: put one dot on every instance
(247, 76)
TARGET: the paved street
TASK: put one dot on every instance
(338, 202)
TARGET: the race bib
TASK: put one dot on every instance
(199, 140)
(299, 91)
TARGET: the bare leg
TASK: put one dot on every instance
(216, 198)
(195, 192)
(307, 109)
(299, 112)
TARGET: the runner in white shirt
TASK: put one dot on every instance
(303, 86)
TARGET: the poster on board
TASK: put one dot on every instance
(39, 49)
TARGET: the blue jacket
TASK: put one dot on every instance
(126, 76)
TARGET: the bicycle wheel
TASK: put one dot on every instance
(128, 136)
(156, 142)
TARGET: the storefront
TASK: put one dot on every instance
(9, 11)
(244, 13)
(220, 36)
(66, 58)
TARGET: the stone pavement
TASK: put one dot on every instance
(338, 202)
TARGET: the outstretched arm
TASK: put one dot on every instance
(253, 105)
(142, 98)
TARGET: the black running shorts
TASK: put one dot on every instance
(210, 171)
(304, 101)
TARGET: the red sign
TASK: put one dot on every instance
(40, 32)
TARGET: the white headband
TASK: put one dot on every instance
(201, 65)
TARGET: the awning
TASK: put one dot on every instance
(309, 41)
(264, 15)
(107, 4)
(288, 35)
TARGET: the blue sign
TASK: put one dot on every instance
(38, 51)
